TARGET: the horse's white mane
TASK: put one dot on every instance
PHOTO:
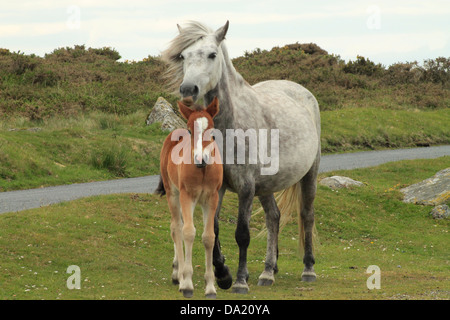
(189, 34)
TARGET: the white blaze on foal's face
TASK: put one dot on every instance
(200, 126)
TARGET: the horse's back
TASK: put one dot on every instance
(302, 97)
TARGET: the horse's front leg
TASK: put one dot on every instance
(273, 224)
(188, 230)
(242, 236)
(221, 270)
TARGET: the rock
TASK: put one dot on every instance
(163, 112)
(433, 191)
(440, 212)
(337, 182)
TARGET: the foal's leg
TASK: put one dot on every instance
(272, 223)
(208, 236)
(187, 208)
(176, 226)
(308, 193)
(221, 270)
(242, 236)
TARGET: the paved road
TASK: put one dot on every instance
(35, 198)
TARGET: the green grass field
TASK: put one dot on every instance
(123, 247)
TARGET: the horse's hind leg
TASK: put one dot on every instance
(272, 223)
(221, 270)
(308, 193)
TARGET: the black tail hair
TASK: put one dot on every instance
(160, 189)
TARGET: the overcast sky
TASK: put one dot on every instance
(386, 31)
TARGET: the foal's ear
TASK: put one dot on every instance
(213, 108)
(222, 32)
(184, 110)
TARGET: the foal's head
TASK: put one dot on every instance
(199, 123)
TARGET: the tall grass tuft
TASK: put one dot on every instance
(113, 158)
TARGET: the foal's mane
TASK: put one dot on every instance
(191, 33)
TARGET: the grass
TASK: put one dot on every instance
(94, 147)
(123, 247)
(374, 128)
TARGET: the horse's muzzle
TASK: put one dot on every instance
(189, 90)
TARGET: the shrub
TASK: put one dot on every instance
(22, 63)
(409, 72)
(437, 70)
(107, 52)
(4, 52)
(42, 76)
(363, 66)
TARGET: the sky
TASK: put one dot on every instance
(385, 31)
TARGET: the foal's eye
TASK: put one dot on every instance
(212, 55)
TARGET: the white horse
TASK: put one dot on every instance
(199, 66)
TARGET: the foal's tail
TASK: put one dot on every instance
(160, 189)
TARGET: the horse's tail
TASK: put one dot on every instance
(289, 204)
(160, 189)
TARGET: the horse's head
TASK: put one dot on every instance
(200, 125)
(196, 58)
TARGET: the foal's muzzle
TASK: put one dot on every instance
(201, 165)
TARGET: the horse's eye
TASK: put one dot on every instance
(212, 55)
(181, 57)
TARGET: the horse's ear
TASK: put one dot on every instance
(179, 28)
(213, 108)
(184, 110)
(222, 32)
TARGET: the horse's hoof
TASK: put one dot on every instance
(308, 276)
(226, 281)
(188, 293)
(265, 282)
(211, 296)
(241, 288)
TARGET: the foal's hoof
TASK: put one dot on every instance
(308, 276)
(211, 296)
(187, 293)
(225, 281)
(265, 282)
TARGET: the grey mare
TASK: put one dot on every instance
(199, 66)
